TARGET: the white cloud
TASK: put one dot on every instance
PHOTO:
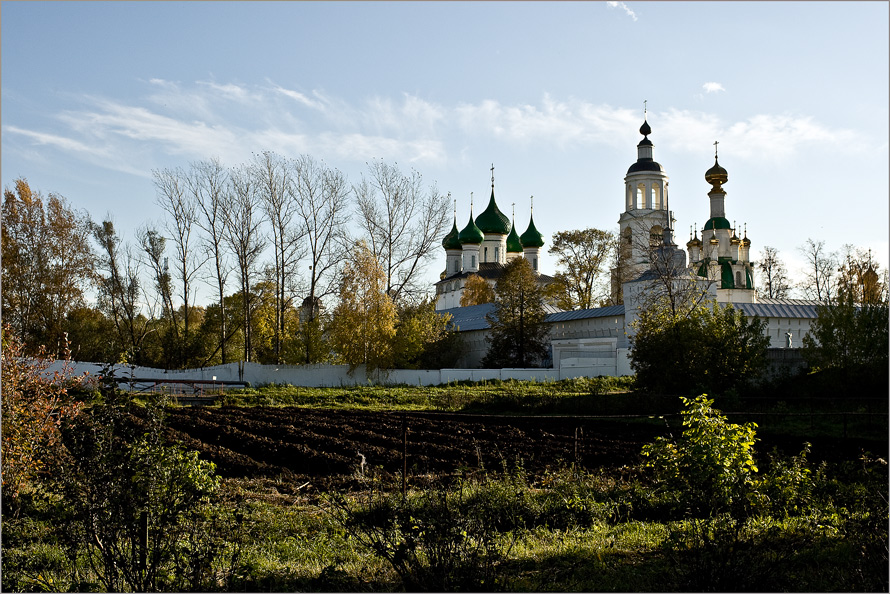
(231, 92)
(713, 87)
(762, 137)
(301, 98)
(624, 7)
(61, 142)
(231, 122)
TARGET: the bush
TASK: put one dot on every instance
(433, 541)
(133, 504)
(34, 404)
(711, 468)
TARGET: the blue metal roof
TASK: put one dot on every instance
(473, 317)
(780, 308)
(584, 314)
(469, 318)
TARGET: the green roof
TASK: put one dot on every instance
(717, 223)
(513, 243)
(532, 237)
(492, 220)
(471, 233)
(452, 240)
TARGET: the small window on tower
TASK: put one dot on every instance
(535, 263)
(485, 255)
(497, 254)
(472, 261)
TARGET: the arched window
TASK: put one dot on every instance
(738, 279)
(641, 196)
(535, 263)
(656, 197)
(497, 254)
(485, 255)
(655, 235)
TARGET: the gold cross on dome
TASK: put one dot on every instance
(716, 142)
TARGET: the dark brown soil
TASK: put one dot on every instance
(319, 445)
(269, 442)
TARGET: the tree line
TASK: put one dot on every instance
(273, 241)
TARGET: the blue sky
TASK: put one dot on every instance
(96, 95)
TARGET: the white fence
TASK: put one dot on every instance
(319, 376)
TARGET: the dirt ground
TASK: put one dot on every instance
(315, 444)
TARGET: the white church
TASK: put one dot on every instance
(594, 341)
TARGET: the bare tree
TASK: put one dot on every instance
(402, 224)
(773, 275)
(207, 184)
(120, 291)
(819, 274)
(179, 204)
(321, 197)
(274, 181)
(243, 225)
(668, 281)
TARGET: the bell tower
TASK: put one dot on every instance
(646, 217)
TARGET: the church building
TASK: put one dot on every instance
(594, 341)
(483, 248)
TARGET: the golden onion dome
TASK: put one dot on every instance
(716, 175)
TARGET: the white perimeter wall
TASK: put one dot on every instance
(334, 375)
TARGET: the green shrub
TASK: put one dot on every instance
(430, 540)
(132, 502)
(711, 468)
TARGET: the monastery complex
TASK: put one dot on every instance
(595, 341)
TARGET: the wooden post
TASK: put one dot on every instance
(404, 456)
(143, 545)
(576, 446)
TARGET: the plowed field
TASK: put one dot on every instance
(269, 442)
(330, 445)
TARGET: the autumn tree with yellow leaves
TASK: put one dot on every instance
(364, 322)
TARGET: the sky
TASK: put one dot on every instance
(97, 95)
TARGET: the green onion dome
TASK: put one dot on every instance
(492, 220)
(717, 223)
(514, 245)
(452, 240)
(532, 238)
(471, 233)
